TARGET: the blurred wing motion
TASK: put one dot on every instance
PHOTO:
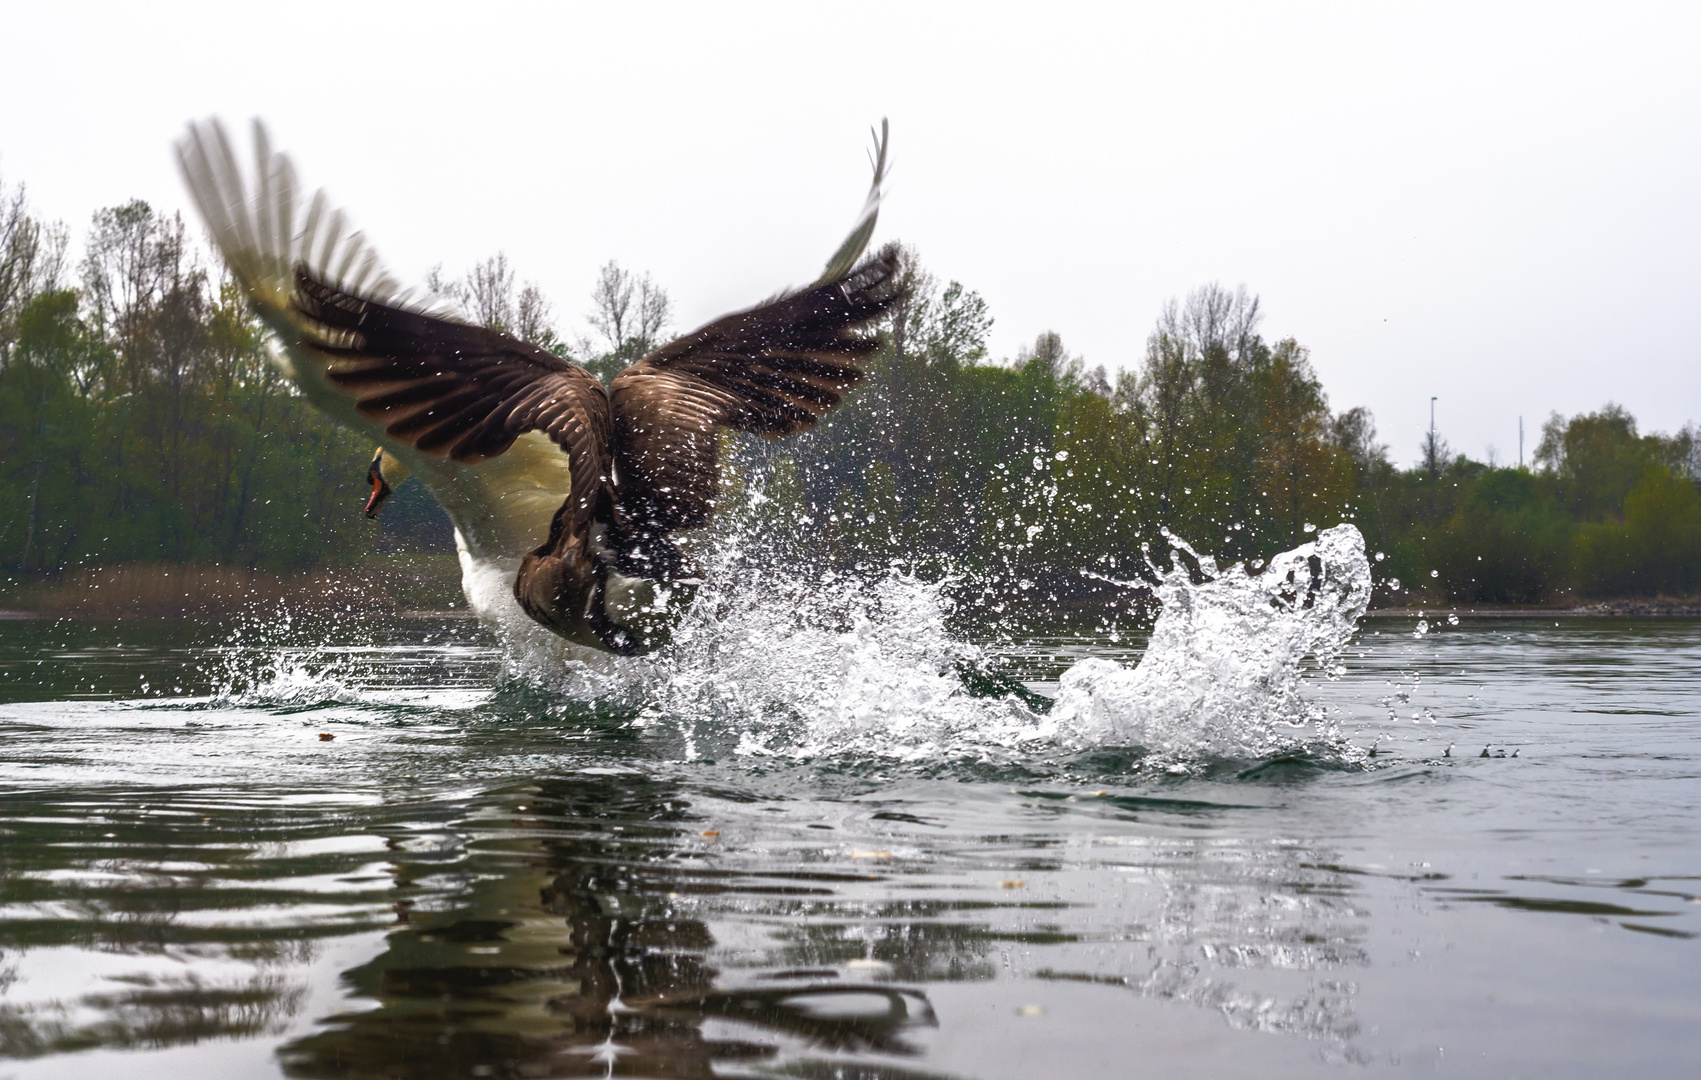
(773, 370)
(844, 259)
(417, 380)
(485, 418)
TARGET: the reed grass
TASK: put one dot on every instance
(377, 584)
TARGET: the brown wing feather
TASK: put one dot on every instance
(457, 391)
(774, 370)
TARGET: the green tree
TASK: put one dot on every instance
(1597, 458)
(1507, 542)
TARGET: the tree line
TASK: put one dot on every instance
(141, 421)
(1040, 476)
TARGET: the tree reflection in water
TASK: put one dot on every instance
(599, 924)
(583, 959)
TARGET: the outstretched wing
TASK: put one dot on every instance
(774, 370)
(450, 390)
(265, 234)
(366, 351)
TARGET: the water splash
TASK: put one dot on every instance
(771, 663)
(829, 667)
(273, 659)
(276, 660)
(777, 662)
(1224, 671)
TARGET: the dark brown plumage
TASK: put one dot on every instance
(450, 400)
(465, 393)
(773, 370)
(462, 392)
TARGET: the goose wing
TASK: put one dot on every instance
(371, 354)
(450, 390)
(774, 369)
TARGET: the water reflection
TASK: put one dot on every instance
(583, 957)
(498, 886)
(130, 920)
(600, 923)
(598, 927)
(151, 1014)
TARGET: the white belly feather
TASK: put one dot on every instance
(501, 507)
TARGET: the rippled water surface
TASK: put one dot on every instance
(380, 850)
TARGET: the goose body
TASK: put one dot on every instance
(565, 495)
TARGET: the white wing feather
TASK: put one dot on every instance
(500, 508)
(257, 234)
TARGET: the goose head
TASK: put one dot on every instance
(385, 474)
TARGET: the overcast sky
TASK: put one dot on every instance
(1497, 205)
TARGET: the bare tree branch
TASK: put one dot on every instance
(611, 305)
(655, 311)
(489, 293)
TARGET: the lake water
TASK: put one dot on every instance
(485, 873)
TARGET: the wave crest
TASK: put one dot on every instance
(770, 663)
(1225, 668)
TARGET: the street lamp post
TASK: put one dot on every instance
(1430, 451)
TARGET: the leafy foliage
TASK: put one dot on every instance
(141, 421)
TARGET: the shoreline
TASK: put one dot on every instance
(1611, 609)
(1605, 609)
(428, 586)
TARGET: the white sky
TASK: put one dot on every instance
(1496, 204)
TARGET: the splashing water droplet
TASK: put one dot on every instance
(1223, 671)
(776, 662)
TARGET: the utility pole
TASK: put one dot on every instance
(1433, 458)
(1520, 442)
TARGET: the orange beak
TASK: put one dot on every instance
(380, 490)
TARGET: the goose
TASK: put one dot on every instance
(565, 496)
